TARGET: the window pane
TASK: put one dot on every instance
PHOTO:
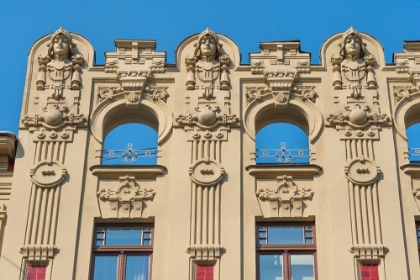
(285, 235)
(302, 267)
(123, 236)
(105, 268)
(36, 272)
(204, 272)
(137, 268)
(271, 267)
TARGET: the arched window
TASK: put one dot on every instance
(282, 143)
(413, 139)
(131, 143)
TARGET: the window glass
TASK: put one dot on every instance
(285, 235)
(122, 252)
(123, 236)
(36, 272)
(302, 267)
(204, 272)
(105, 268)
(271, 267)
(137, 268)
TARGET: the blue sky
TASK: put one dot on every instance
(168, 22)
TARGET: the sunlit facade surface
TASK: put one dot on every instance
(209, 169)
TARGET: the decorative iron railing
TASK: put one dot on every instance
(129, 155)
(414, 154)
(282, 155)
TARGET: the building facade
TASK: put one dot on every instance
(214, 206)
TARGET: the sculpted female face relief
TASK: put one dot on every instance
(60, 45)
(207, 46)
(352, 45)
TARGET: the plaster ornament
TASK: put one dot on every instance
(362, 171)
(286, 200)
(208, 65)
(358, 117)
(401, 92)
(61, 63)
(352, 67)
(48, 174)
(55, 116)
(207, 116)
(206, 172)
(126, 199)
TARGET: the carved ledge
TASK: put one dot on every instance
(205, 251)
(369, 252)
(116, 171)
(274, 170)
(8, 143)
(411, 169)
(39, 252)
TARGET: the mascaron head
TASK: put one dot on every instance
(61, 43)
(208, 45)
(352, 44)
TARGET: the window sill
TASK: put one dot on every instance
(138, 171)
(411, 169)
(274, 170)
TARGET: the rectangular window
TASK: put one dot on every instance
(204, 272)
(418, 236)
(36, 272)
(286, 251)
(122, 252)
(369, 271)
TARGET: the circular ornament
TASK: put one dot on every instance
(206, 172)
(358, 116)
(48, 174)
(362, 171)
(207, 117)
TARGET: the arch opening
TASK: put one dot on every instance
(282, 143)
(132, 143)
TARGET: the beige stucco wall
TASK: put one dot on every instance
(361, 183)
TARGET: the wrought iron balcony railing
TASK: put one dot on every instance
(282, 155)
(414, 154)
(129, 155)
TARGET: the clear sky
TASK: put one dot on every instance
(169, 22)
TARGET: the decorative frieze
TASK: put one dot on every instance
(286, 200)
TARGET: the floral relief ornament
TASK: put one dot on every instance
(61, 63)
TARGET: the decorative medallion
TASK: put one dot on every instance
(206, 172)
(362, 171)
(48, 174)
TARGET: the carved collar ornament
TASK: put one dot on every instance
(208, 117)
(358, 117)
